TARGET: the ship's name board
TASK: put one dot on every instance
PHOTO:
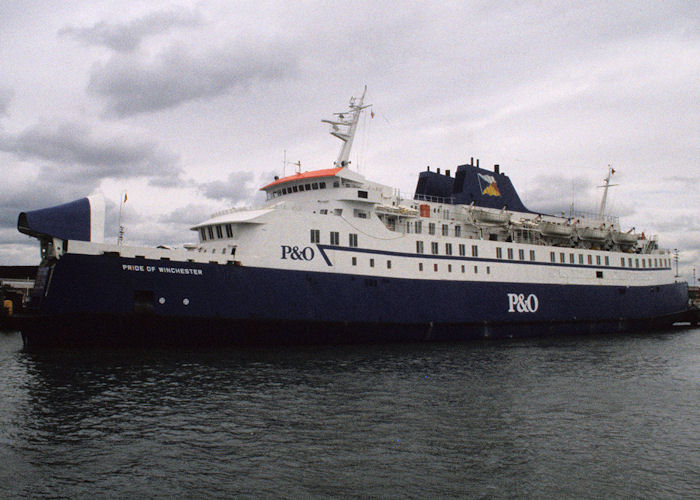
(518, 302)
(161, 269)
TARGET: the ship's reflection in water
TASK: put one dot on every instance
(578, 417)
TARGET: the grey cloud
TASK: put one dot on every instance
(76, 151)
(132, 85)
(238, 187)
(187, 216)
(6, 95)
(554, 195)
(127, 37)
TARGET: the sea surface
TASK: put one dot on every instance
(613, 416)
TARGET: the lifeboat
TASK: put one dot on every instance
(592, 234)
(553, 229)
(488, 217)
(624, 239)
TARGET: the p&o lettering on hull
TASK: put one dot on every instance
(295, 253)
(517, 302)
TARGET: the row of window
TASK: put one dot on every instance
(207, 233)
(297, 188)
(300, 188)
(510, 252)
(436, 267)
(231, 250)
(334, 238)
(631, 262)
(435, 249)
(417, 228)
(646, 262)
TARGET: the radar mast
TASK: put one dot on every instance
(344, 125)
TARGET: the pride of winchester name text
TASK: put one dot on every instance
(160, 269)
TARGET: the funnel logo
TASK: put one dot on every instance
(491, 188)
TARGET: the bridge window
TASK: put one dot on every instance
(219, 232)
(360, 214)
(322, 185)
(308, 187)
(229, 231)
(210, 232)
(301, 187)
(203, 234)
(314, 185)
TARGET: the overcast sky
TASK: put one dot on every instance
(189, 106)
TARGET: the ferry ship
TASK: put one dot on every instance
(334, 257)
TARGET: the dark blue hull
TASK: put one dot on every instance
(114, 300)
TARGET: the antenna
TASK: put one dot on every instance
(601, 214)
(122, 200)
(343, 127)
(285, 163)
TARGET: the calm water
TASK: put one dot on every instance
(584, 417)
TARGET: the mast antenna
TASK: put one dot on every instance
(344, 126)
(601, 213)
(122, 201)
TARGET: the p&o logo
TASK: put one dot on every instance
(518, 302)
(294, 253)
